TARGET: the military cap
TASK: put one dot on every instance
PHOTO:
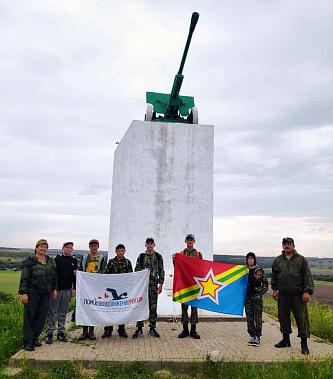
(150, 239)
(67, 243)
(93, 241)
(189, 236)
(42, 242)
(288, 239)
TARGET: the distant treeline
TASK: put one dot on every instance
(14, 257)
(266, 262)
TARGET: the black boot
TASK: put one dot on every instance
(193, 332)
(49, 339)
(107, 331)
(84, 334)
(61, 337)
(304, 346)
(285, 342)
(91, 336)
(185, 332)
(138, 332)
(122, 332)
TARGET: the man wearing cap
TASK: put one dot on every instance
(152, 261)
(190, 251)
(118, 265)
(66, 270)
(92, 262)
(292, 285)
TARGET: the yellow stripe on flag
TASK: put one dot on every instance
(189, 298)
(228, 272)
(185, 290)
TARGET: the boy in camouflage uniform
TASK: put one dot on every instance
(117, 265)
(190, 251)
(292, 285)
(153, 261)
(256, 287)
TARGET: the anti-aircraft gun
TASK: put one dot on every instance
(172, 107)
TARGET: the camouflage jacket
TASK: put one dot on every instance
(292, 275)
(155, 263)
(193, 253)
(37, 277)
(261, 277)
(118, 266)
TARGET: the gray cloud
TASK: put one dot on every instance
(74, 76)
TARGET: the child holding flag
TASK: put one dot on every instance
(256, 287)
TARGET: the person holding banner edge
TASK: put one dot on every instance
(92, 262)
(190, 251)
(118, 265)
(152, 261)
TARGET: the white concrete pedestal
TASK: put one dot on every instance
(163, 188)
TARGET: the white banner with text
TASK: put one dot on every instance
(111, 299)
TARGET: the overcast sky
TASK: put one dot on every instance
(74, 75)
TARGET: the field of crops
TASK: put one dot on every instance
(9, 281)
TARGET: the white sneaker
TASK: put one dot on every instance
(256, 342)
(252, 341)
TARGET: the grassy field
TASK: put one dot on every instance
(320, 315)
(11, 316)
(9, 281)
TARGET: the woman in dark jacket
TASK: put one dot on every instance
(38, 282)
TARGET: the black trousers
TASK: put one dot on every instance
(34, 317)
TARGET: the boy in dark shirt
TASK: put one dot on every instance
(256, 287)
(66, 270)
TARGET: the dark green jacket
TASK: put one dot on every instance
(118, 266)
(262, 279)
(292, 275)
(38, 278)
(155, 263)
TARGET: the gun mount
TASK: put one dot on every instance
(172, 107)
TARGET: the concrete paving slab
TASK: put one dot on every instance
(225, 341)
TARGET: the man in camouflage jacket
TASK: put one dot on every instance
(153, 261)
(190, 251)
(292, 285)
(117, 265)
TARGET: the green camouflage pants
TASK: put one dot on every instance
(253, 310)
(194, 315)
(35, 313)
(293, 303)
(152, 297)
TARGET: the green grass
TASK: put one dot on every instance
(320, 315)
(9, 281)
(302, 369)
(323, 282)
(11, 321)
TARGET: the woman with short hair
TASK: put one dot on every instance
(38, 282)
